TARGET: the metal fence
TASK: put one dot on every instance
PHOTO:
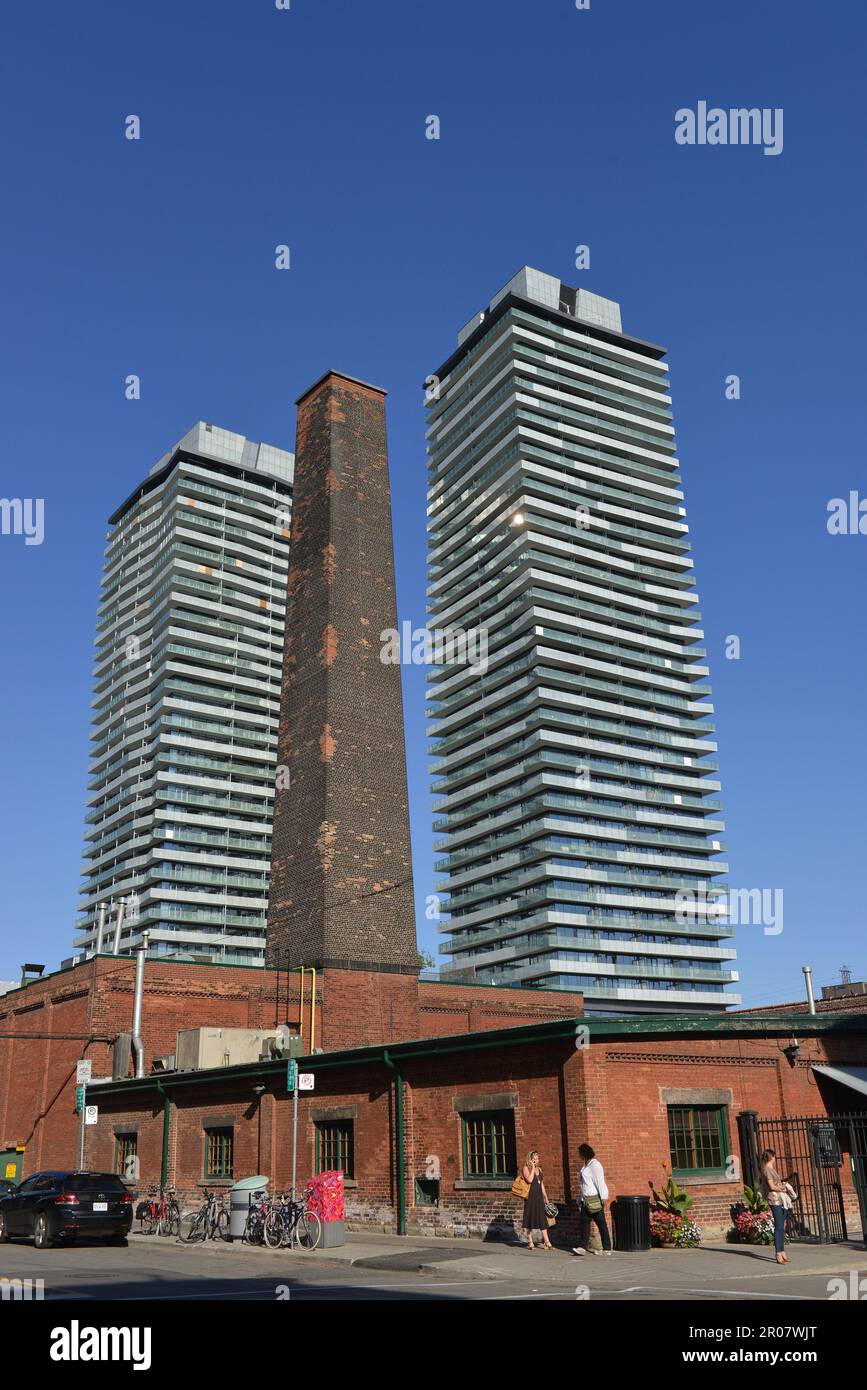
(811, 1151)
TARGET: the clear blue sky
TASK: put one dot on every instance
(307, 127)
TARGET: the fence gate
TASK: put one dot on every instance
(811, 1151)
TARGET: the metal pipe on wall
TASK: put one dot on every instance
(117, 927)
(138, 996)
(100, 928)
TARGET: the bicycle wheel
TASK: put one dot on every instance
(167, 1225)
(149, 1222)
(193, 1226)
(221, 1230)
(308, 1231)
(273, 1229)
(253, 1229)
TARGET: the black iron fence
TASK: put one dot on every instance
(811, 1153)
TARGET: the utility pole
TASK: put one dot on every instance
(292, 1083)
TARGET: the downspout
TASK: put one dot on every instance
(167, 1115)
(137, 1043)
(401, 1154)
(313, 1012)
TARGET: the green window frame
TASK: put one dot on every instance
(488, 1141)
(698, 1138)
(125, 1148)
(335, 1147)
(219, 1152)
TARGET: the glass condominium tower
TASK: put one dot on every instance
(189, 653)
(574, 788)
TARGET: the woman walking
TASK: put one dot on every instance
(594, 1195)
(534, 1202)
(776, 1193)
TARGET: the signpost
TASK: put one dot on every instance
(83, 1072)
(296, 1083)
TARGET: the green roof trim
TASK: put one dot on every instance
(670, 1027)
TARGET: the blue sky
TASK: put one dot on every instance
(307, 127)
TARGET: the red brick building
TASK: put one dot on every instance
(421, 1094)
(48, 1024)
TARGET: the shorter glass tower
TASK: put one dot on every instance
(189, 653)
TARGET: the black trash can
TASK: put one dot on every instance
(631, 1217)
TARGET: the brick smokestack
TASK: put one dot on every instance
(341, 870)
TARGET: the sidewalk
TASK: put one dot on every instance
(477, 1259)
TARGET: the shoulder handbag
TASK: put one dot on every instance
(520, 1187)
(593, 1203)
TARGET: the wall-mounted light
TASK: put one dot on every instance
(792, 1052)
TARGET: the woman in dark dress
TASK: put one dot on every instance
(534, 1203)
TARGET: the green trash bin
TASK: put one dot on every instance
(242, 1195)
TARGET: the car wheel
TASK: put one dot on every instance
(4, 1234)
(117, 1240)
(41, 1233)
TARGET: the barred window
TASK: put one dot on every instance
(335, 1147)
(219, 1153)
(489, 1144)
(126, 1156)
(698, 1138)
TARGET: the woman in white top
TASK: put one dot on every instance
(594, 1195)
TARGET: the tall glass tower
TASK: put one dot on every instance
(574, 784)
(189, 656)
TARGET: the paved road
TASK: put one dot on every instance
(166, 1271)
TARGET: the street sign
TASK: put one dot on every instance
(79, 1099)
(291, 1074)
(83, 1071)
(91, 1114)
(305, 1081)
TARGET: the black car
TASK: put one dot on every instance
(52, 1206)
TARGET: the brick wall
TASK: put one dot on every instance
(47, 1027)
(612, 1094)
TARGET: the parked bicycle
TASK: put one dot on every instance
(288, 1222)
(162, 1215)
(210, 1222)
(257, 1216)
